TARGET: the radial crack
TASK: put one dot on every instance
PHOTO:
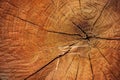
(23, 20)
(63, 33)
(77, 69)
(69, 66)
(106, 38)
(101, 13)
(86, 35)
(59, 56)
(89, 57)
(91, 66)
(103, 55)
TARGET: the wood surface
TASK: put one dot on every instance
(59, 39)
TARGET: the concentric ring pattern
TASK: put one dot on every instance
(59, 39)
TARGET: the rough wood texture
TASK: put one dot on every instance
(59, 40)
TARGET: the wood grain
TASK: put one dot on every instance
(59, 40)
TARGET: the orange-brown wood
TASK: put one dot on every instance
(59, 40)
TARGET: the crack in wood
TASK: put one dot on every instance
(69, 65)
(106, 38)
(103, 55)
(91, 66)
(63, 33)
(77, 69)
(59, 56)
(86, 38)
(24, 20)
(86, 35)
(89, 58)
(101, 13)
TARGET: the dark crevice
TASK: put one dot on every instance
(106, 38)
(79, 28)
(89, 58)
(77, 69)
(24, 20)
(77, 72)
(91, 66)
(102, 38)
(63, 33)
(86, 35)
(59, 56)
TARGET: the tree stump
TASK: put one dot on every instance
(59, 40)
